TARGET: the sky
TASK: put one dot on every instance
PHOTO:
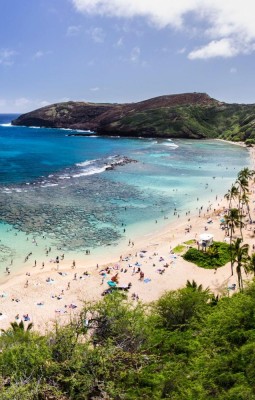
(124, 50)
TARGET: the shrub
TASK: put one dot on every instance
(216, 256)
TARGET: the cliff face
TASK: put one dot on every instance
(188, 115)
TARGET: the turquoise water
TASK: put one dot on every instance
(78, 193)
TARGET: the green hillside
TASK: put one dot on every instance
(188, 115)
(226, 122)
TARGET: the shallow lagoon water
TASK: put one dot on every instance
(56, 190)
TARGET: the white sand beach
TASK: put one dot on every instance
(56, 290)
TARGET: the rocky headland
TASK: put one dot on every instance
(188, 115)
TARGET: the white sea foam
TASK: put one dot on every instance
(173, 145)
(85, 163)
(92, 167)
(91, 171)
(9, 124)
(49, 184)
(168, 143)
(82, 130)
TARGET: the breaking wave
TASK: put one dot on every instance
(82, 169)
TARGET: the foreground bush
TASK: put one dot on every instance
(186, 345)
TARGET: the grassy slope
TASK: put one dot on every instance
(187, 116)
(234, 122)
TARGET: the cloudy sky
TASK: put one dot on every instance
(124, 50)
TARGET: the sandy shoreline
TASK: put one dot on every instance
(28, 292)
(241, 144)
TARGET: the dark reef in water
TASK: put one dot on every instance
(188, 115)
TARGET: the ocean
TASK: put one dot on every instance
(74, 193)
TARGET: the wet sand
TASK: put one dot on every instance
(57, 290)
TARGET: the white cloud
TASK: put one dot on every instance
(73, 30)
(22, 102)
(182, 50)
(44, 103)
(40, 54)
(94, 89)
(97, 34)
(119, 42)
(233, 70)
(216, 48)
(2, 102)
(227, 24)
(135, 54)
(6, 57)
(63, 100)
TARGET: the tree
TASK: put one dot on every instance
(232, 194)
(233, 221)
(251, 266)
(243, 178)
(241, 258)
(177, 308)
(194, 286)
(21, 327)
(116, 319)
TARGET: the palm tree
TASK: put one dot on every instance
(232, 193)
(243, 178)
(194, 286)
(246, 173)
(241, 259)
(245, 201)
(233, 221)
(18, 328)
(251, 266)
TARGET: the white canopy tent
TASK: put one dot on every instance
(206, 240)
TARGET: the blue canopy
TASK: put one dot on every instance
(111, 283)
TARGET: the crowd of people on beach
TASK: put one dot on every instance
(137, 268)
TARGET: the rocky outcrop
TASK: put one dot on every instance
(188, 115)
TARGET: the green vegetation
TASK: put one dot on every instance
(233, 122)
(249, 142)
(179, 248)
(194, 116)
(217, 255)
(190, 242)
(187, 345)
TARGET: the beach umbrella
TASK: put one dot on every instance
(111, 283)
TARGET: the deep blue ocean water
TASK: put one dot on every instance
(76, 192)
